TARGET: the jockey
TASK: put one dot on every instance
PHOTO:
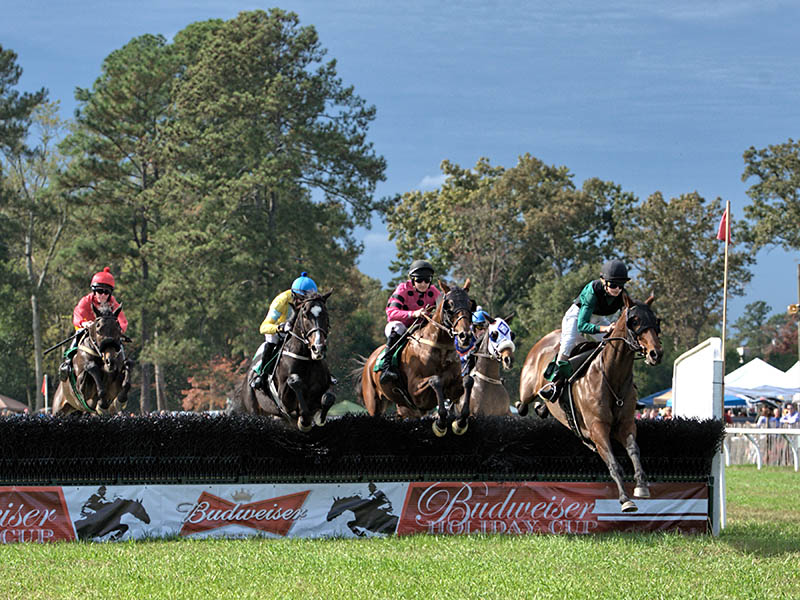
(480, 321)
(587, 316)
(83, 316)
(278, 322)
(406, 304)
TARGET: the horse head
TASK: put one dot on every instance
(455, 311)
(106, 335)
(645, 328)
(311, 324)
(500, 341)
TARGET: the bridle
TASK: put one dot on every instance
(305, 335)
(448, 325)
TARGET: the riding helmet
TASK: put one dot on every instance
(615, 270)
(303, 284)
(420, 268)
(103, 281)
(480, 316)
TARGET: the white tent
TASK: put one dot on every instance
(758, 378)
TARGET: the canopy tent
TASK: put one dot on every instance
(758, 378)
(664, 398)
(11, 404)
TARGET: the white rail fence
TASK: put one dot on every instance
(762, 446)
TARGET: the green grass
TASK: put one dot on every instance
(757, 556)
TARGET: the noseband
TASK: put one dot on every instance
(305, 334)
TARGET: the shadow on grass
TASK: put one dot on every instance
(763, 539)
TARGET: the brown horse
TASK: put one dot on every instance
(484, 392)
(429, 363)
(101, 375)
(301, 385)
(603, 397)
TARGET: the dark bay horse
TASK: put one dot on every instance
(604, 397)
(484, 389)
(101, 375)
(429, 363)
(369, 514)
(108, 518)
(301, 384)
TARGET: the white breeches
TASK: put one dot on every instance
(570, 336)
(396, 326)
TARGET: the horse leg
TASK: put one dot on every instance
(97, 375)
(440, 424)
(600, 435)
(627, 437)
(460, 425)
(328, 398)
(120, 531)
(304, 421)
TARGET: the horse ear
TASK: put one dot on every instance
(443, 286)
(94, 310)
(649, 301)
(627, 300)
(466, 284)
(510, 316)
(326, 296)
(119, 310)
(473, 306)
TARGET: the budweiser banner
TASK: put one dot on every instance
(107, 513)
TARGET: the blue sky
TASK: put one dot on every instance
(654, 96)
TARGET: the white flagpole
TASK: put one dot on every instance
(725, 299)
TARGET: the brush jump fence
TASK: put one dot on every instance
(201, 475)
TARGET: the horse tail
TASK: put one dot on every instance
(357, 374)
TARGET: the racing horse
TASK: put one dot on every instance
(369, 514)
(484, 392)
(300, 387)
(100, 378)
(599, 401)
(429, 364)
(108, 518)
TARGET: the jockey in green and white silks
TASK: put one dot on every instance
(586, 318)
(277, 322)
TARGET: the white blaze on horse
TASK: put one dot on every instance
(484, 392)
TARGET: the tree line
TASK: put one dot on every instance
(208, 171)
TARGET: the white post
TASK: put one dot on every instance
(46, 394)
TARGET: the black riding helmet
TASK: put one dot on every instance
(615, 270)
(420, 268)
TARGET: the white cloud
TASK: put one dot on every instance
(430, 182)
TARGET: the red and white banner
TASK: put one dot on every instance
(105, 513)
(522, 507)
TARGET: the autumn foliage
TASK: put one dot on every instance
(213, 384)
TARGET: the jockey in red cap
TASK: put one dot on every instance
(82, 315)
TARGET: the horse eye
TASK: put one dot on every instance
(493, 335)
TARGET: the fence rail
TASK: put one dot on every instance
(771, 446)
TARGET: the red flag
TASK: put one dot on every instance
(723, 231)
(44, 386)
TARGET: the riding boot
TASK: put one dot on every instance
(266, 358)
(389, 375)
(64, 369)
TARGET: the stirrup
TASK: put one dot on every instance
(549, 392)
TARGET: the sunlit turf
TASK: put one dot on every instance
(757, 556)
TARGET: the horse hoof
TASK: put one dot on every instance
(318, 420)
(458, 430)
(304, 428)
(641, 492)
(629, 506)
(438, 431)
(522, 409)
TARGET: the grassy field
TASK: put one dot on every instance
(757, 556)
